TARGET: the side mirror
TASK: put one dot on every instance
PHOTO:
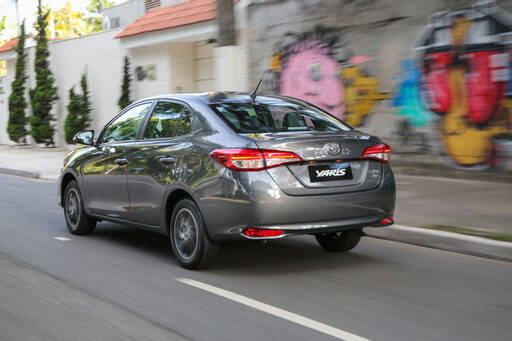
(84, 137)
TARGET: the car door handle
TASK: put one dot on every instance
(121, 162)
(167, 161)
(106, 149)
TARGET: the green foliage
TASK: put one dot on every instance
(95, 7)
(44, 94)
(79, 109)
(2, 22)
(17, 103)
(125, 100)
(86, 102)
(73, 123)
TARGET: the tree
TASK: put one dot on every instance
(2, 27)
(66, 23)
(73, 123)
(79, 109)
(44, 94)
(125, 100)
(95, 8)
(86, 103)
(17, 103)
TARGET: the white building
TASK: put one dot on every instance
(171, 48)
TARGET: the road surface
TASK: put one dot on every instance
(121, 283)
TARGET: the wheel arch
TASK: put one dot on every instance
(173, 197)
(66, 178)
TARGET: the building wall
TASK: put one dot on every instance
(99, 55)
(171, 67)
(356, 59)
(124, 14)
(203, 66)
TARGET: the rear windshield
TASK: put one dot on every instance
(277, 116)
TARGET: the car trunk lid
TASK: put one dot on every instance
(332, 161)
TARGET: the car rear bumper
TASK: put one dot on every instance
(253, 200)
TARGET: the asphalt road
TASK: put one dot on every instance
(121, 283)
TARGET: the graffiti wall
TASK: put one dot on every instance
(317, 67)
(461, 73)
(445, 78)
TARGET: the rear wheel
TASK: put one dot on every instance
(342, 241)
(190, 243)
(77, 221)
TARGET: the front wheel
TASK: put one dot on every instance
(342, 241)
(77, 221)
(190, 243)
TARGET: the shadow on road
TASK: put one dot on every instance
(293, 254)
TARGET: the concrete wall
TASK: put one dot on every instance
(203, 66)
(355, 58)
(99, 55)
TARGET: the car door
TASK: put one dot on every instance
(104, 176)
(152, 162)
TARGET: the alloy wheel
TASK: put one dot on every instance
(185, 233)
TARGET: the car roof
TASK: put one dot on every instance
(217, 97)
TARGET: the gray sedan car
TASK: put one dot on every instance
(214, 167)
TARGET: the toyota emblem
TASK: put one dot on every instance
(332, 148)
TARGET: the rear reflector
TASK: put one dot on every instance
(249, 159)
(261, 233)
(386, 221)
(380, 152)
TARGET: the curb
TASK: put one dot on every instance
(442, 240)
(20, 172)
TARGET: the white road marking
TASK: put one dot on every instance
(62, 239)
(286, 315)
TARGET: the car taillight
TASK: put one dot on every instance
(261, 233)
(380, 152)
(253, 159)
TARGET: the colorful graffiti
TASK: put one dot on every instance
(464, 72)
(316, 66)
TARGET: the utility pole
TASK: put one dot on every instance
(226, 23)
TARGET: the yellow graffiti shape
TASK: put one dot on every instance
(460, 29)
(466, 143)
(275, 62)
(361, 93)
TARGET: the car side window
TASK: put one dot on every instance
(163, 120)
(185, 124)
(126, 126)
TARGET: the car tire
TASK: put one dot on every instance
(190, 242)
(342, 241)
(77, 221)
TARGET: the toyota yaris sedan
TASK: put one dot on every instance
(208, 168)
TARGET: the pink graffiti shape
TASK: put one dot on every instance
(312, 75)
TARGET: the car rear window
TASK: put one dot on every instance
(277, 116)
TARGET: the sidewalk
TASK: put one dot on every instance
(445, 203)
(32, 161)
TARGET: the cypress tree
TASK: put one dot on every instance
(86, 103)
(125, 100)
(79, 109)
(17, 103)
(73, 123)
(44, 94)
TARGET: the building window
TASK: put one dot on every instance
(115, 22)
(150, 4)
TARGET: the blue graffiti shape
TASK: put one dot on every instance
(408, 96)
